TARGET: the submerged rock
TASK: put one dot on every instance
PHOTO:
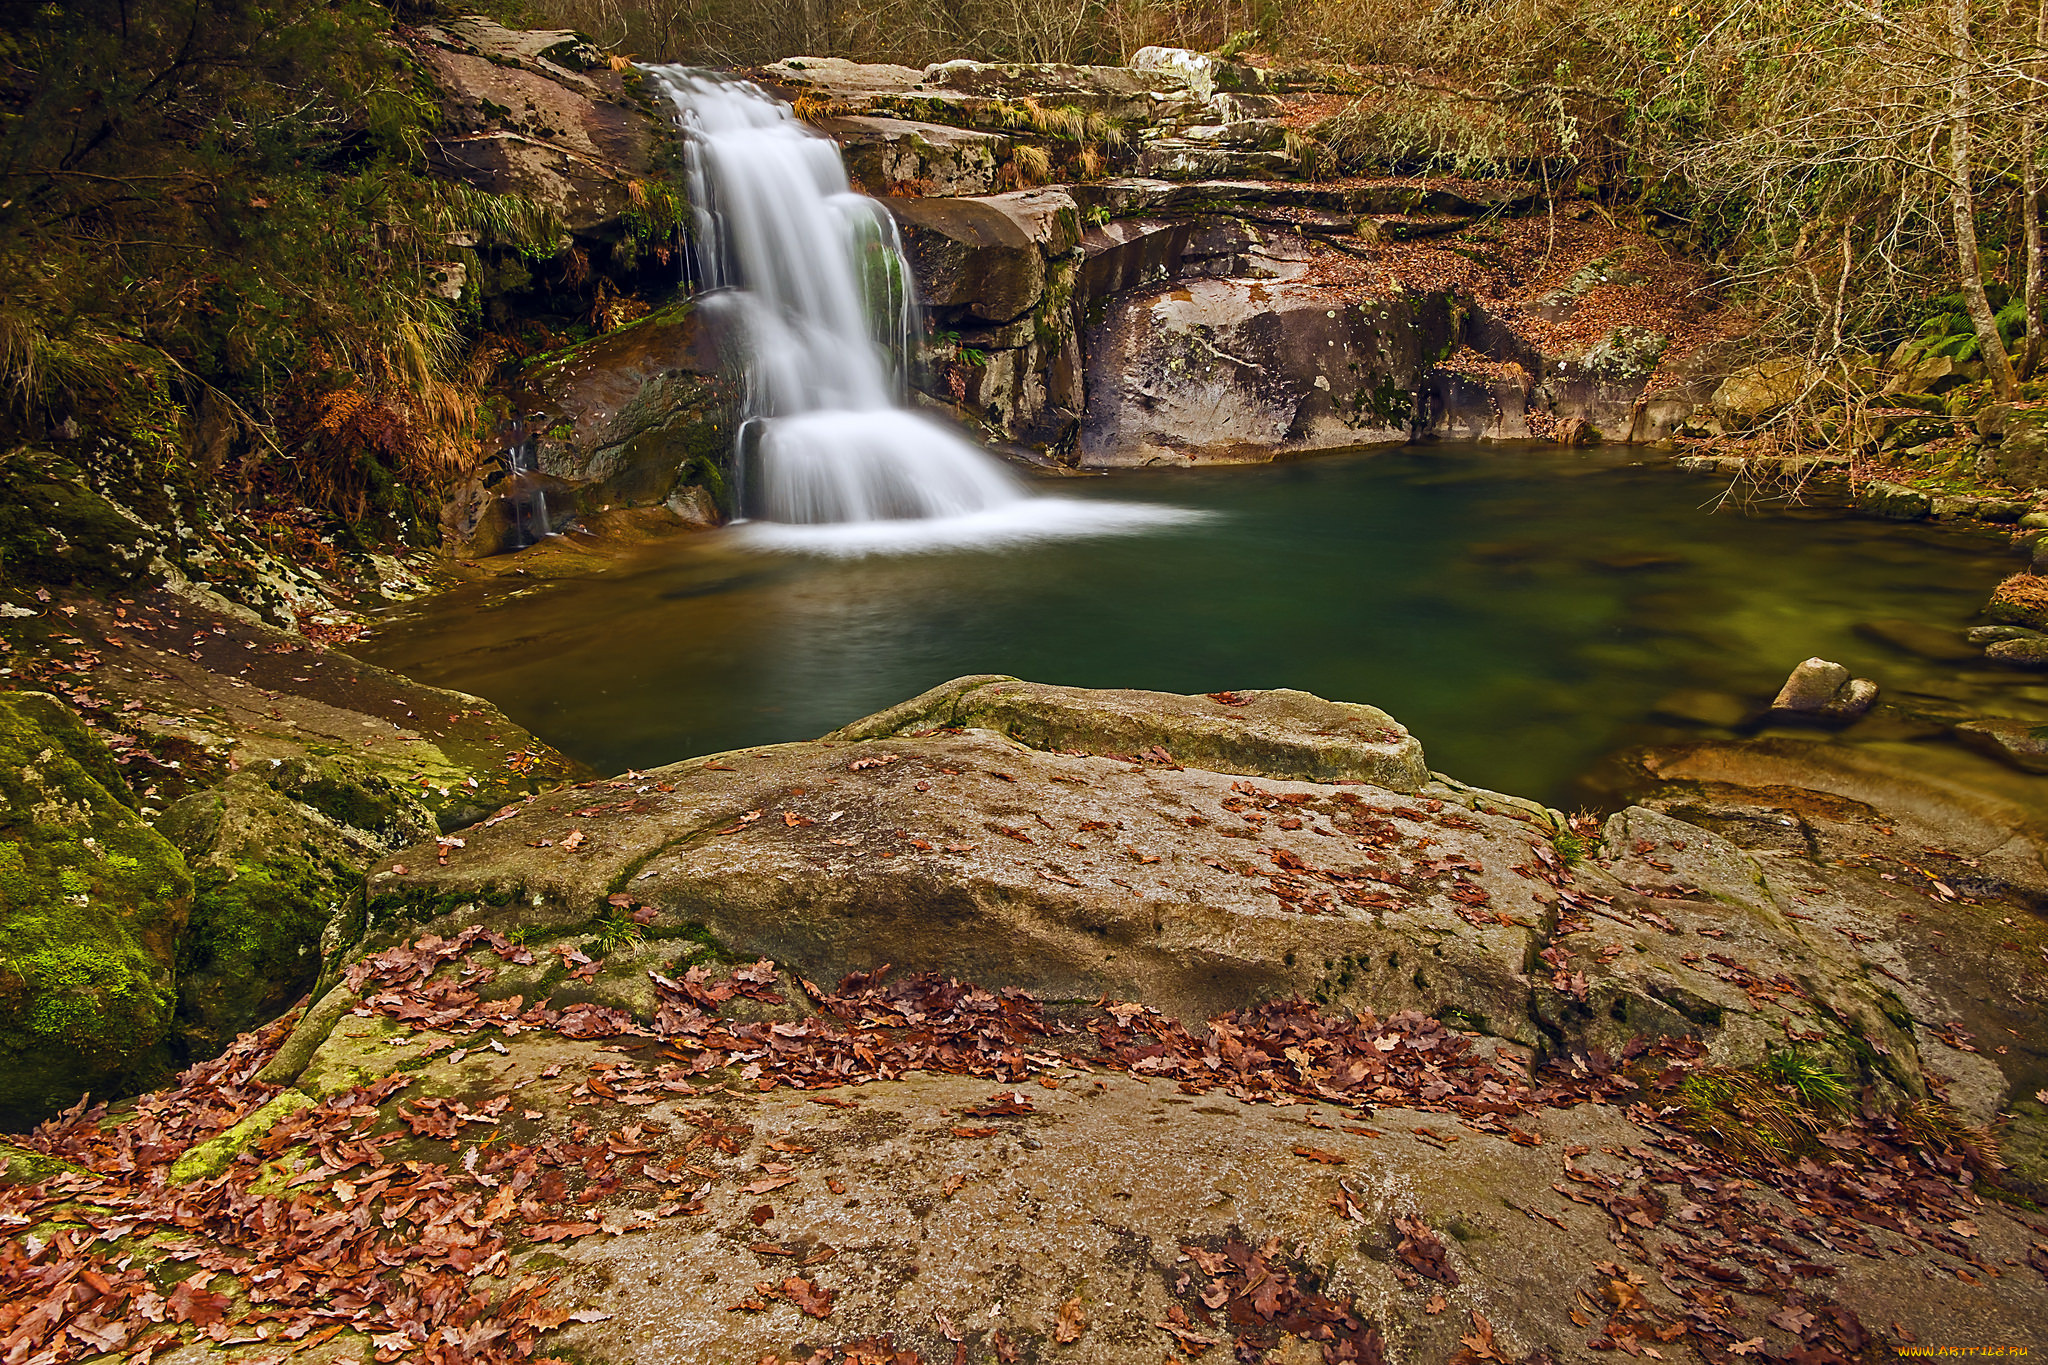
(1824, 689)
(2022, 743)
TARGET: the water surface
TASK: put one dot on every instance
(1523, 611)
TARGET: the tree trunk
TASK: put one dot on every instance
(2036, 348)
(1969, 265)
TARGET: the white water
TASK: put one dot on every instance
(815, 278)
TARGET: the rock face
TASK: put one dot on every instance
(92, 904)
(1231, 371)
(636, 414)
(1201, 853)
(999, 275)
(640, 416)
(540, 114)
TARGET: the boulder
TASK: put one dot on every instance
(274, 851)
(1933, 374)
(888, 155)
(1823, 689)
(634, 415)
(1281, 733)
(2016, 448)
(540, 114)
(999, 832)
(92, 904)
(2021, 600)
(1756, 392)
(984, 260)
(1894, 501)
(2021, 743)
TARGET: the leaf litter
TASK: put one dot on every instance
(314, 1231)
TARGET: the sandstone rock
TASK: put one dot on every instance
(985, 259)
(1820, 688)
(2019, 455)
(1934, 374)
(1758, 391)
(92, 904)
(2022, 743)
(995, 831)
(1993, 635)
(1894, 501)
(882, 153)
(1196, 70)
(1280, 733)
(495, 511)
(1090, 1193)
(1831, 825)
(838, 78)
(539, 114)
(1241, 370)
(270, 869)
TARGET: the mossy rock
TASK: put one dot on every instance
(270, 872)
(55, 529)
(92, 903)
(22, 1166)
(2021, 600)
(210, 1158)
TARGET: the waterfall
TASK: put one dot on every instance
(814, 279)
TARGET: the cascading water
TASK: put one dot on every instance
(815, 279)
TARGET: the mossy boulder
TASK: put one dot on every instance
(92, 903)
(1895, 501)
(270, 868)
(2021, 600)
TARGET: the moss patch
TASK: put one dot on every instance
(91, 905)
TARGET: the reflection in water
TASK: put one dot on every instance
(1522, 612)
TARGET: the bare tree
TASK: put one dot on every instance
(1962, 174)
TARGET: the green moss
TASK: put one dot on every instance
(253, 947)
(91, 904)
(210, 1158)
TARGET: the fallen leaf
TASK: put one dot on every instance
(1070, 1323)
(807, 1296)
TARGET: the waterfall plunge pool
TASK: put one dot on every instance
(1523, 610)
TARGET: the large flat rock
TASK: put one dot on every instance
(1200, 853)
